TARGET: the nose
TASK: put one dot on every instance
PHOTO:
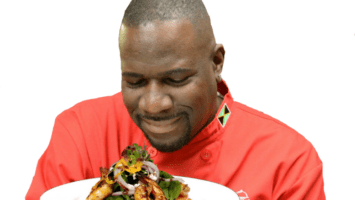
(155, 100)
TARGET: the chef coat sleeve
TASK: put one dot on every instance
(308, 187)
(61, 162)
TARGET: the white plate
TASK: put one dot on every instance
(199, 190)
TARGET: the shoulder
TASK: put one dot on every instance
(261, 133)
(266, 146)
(93, 116)
(260, 123)
(94, 107)
(100, 104)
(256, 115)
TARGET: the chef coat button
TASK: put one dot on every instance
(152, 151)
(206, 154)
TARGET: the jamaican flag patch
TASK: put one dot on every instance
(224, 115)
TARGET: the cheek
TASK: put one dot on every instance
(130, 99)
(198, 96)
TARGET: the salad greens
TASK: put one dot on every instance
(171, 189)
(123, 197)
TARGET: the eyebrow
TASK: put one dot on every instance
(167, 73)
(174, 71)
(132, 74)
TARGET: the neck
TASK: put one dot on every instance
(219, 102)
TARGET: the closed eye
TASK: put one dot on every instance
(177, 81)
(138, 83)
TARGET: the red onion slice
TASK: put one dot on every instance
(127, 185)
(120, 179)
(118, 170)
(148, 169)
(153, 167)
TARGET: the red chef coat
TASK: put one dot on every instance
(250, 152)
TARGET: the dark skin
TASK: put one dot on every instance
(170, 72)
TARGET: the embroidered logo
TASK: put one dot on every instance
(224, 115)
(242, 195)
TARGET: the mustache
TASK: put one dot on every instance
(161, 118)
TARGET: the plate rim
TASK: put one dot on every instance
(172, 175)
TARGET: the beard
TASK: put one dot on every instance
(173, 145)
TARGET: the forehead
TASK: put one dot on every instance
(159, 39)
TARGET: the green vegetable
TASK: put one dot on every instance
(138, 147)
(114, 198)
(166, 192)
(124, 177)
(144, 171)
(148, 158)
(136, 153)
(116, 187)
(132, 159)
(126, 197)
(165, 175)
(164, 184)
(174, 190)
(123, 197)
(171, 189)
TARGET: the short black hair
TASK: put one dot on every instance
(141, 12)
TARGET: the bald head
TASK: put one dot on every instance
(143, 14)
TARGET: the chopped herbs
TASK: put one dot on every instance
(135, 153)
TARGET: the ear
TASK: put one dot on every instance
(218, 61)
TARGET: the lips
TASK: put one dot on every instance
(161, 126)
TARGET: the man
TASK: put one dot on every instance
(174, 100)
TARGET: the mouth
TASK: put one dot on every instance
(161, 126)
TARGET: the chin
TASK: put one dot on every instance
(171, 141)
(170, 144)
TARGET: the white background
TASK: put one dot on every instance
(293, 60)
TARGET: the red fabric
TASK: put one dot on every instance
(255, 155)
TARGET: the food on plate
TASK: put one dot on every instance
(101, 189)
(150, 187)
(136, 177)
